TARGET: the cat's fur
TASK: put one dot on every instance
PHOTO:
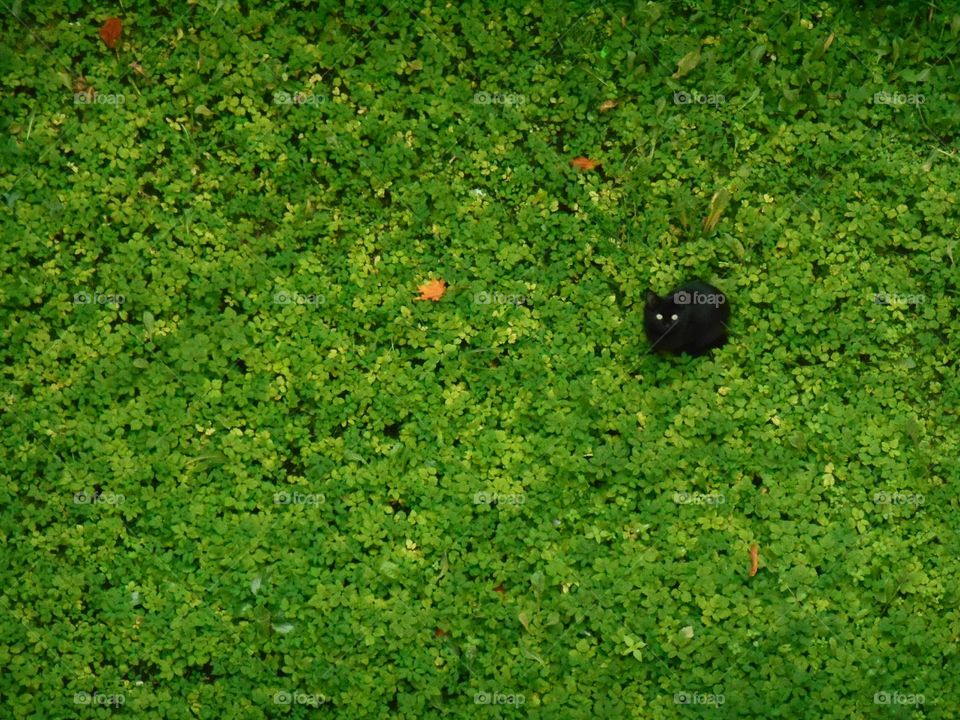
(691, 319)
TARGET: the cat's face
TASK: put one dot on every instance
(662, 314)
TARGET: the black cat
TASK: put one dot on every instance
(692, 319)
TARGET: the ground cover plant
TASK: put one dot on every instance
(325, 387)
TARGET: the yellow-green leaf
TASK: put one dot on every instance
(687, 63)
(718, 204)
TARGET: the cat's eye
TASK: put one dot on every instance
(674, 317)
(659, 316)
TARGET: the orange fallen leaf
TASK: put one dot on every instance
(584, 164)
(110, 32)
(500, 589)
(754, 559)
(432, 290)
(439, 632)
(608, 105)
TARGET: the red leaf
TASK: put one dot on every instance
(439, 632)
(110, 32)
(500, 589)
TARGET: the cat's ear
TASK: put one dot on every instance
(652, 298)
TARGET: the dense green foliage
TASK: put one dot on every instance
(247, 475)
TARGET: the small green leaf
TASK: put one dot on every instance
(633, 646)
(390, 569)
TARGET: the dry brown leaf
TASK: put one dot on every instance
(608, 105)
(82, 87)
